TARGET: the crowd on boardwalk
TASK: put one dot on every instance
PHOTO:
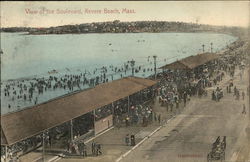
(174, 88)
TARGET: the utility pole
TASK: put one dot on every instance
(211, 47)
(128, 104)
(71, 130)
(6, 153)
(155, 65)
(203, 48)
(132, 63)
(94, 121)
(1, 52)
(43, 147)
(113, 109)
(249, 92)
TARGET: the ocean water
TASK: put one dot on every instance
(35, 55)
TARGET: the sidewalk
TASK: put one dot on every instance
(244, 154)
(113, 143)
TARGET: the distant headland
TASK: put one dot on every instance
(126, 27)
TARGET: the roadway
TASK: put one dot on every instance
(189, 136)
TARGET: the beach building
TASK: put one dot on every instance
(68, 118)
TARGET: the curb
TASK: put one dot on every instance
(56, 158)
(99, 134)
(144, 139)
(37, 159)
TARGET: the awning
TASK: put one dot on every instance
(26, 123)
(191, 62)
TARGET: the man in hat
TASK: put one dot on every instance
(244, 109)
(132, 140)
(127, 139)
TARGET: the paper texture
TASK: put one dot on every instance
(125, 81)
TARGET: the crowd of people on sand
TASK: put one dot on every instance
(173, 88)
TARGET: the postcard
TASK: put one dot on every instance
(119, 81)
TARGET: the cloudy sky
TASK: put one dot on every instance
(45, 14)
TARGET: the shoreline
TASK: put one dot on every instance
(196, 32)
(77, 91)
(174, 32)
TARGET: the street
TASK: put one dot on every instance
(190, 135)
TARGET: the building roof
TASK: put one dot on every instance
(3, 138)
(191, 62)
(26, 123)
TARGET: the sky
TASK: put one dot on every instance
(47, 14)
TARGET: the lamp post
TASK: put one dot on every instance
(132, 63)
(155, 65)
(1, 52)
(203, 46)
(43, 146)
(6, 153)
(128, 104)
(71, 130)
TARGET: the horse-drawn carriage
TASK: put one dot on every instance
(218, 150)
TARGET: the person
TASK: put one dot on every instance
(213, 96)
(98, 151)
(93, 148)
(144, 121)
(3, 158)
(243, 95)
(235, 90)
(155, 116)
(237, 94)
(244, 109)
(185, 98)
(132, 140)
(167, 104)
(159, 118)
(127, 139)
(69, 146)
(84, 150)
(49, 141)
(127, 121)
(80, 147)
(76, 148)
(217, 141)
(171, 106)
(224, 142)
(118, 122)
